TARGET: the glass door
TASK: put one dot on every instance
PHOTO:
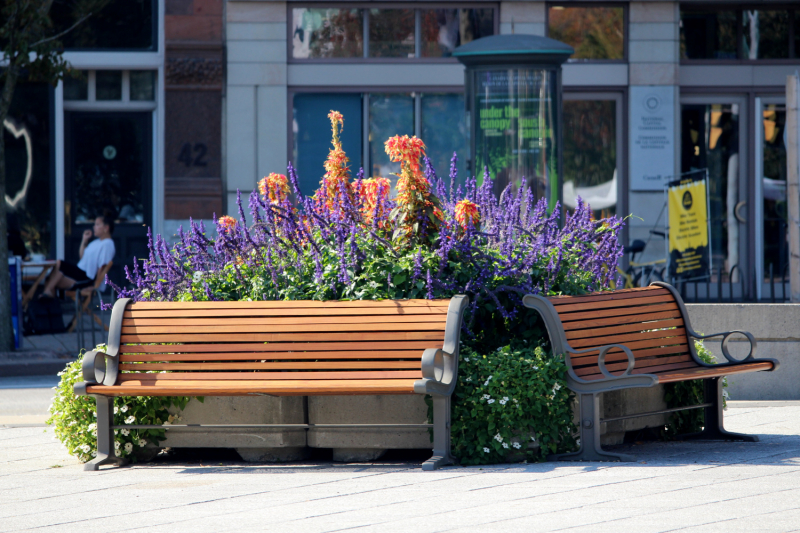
(772, 245)
(109, 165)
(714, 137)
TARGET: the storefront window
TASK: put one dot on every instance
(765, 34)
(117, 25)
(444, 131)
(445, 29)
(590, 155)
(28, 158)
(389, 115)
(594, 32)
(312, 134)
(327, 32)
(708, 34)
(710, 140)
(391, 33)
(776, 245)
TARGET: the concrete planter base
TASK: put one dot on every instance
(628, 402)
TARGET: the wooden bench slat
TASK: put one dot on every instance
(627, 328)
(644, 301)
(712, 372)
(270, 321)
(293, 304)
(286, 337)
(616, 311)
(244, 388)
(635, 340)
(256, 376)
(650, 370)
(640, 363)
(255, 347)
(250, 356)
(292, 365)
(628, 294)
(618, 355)
(277, 312)
(621, 320)
(285, 328)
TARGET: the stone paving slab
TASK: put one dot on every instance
(673, 486)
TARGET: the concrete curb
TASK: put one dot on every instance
(33, 368)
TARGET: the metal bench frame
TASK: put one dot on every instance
(439, 378)
(589, 391)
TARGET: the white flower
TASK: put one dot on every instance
(498, 438)
(502, 402)
(557, 386)
(533, 438)
(535, 367)
(489, 401)
(94, 453)
(126, 432)
(85, 448)
(94, 414)
(142, 443)
(116, 410)
(130, 420)
(485, 397)
(725, 394)
(116, 444)
(469, 379)
(60, 373)
(124, 409)
(505, 445)
(128, 447)
(486, 450)
(515, 400)
(517, 445)
(505, 398)
(466, 359)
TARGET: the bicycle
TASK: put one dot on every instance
(642, 274)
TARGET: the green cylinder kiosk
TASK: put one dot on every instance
(513, 98)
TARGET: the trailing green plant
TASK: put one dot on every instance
(74, 418)
(685, 393)
(511, 404)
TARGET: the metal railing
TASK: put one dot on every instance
(723, 286)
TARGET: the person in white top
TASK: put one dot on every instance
(94, 255)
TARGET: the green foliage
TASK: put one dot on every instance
(75, 420)
(511, 404)
(686, 393)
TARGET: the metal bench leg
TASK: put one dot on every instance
(712, 426)
(590, 449)
(441, 435)
(105, 435)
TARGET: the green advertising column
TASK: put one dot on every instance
(513, 86)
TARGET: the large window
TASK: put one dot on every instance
(402, 32)
(710, 32)
(117, 25)
(596, 33)
(438, 118)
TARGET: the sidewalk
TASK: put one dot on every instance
(698, 486)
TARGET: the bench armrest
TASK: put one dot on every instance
(601, 359)
(726, 335)
(103, 367)
(610, 381)
(440, 365)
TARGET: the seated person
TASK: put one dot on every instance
(98, 253)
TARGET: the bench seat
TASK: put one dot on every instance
(293, 348)
(635, 338)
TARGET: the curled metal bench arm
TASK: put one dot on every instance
(440, 365)
(601, 359)
(726, 335)
(103, 367)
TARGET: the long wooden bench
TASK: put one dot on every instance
(635, 338)
(297, 348)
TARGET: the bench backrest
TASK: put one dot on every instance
(286, 340)
(648, 321)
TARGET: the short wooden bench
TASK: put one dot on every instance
(635, 338)
(286, 348)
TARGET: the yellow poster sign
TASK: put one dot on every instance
(688, 228)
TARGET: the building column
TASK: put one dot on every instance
(654, 116)
(256, 107)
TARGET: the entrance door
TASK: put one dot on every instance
(109, 166)
(714, 137)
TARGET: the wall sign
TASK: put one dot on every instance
(689, 246)
(652, 137)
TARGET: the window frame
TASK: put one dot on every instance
(365, 59)
(625, 28)
(794, 12)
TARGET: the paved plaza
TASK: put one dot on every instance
(711, 486)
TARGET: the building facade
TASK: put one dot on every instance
(226, 92)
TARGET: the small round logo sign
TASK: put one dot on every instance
(109, 152)
(687, 200)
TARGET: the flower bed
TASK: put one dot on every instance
(434, 238)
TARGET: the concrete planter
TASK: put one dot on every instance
(367, 444)
(628, 402)
(256, 444)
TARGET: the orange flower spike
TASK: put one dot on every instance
(467, 213)
(274, 187)
(227, 222)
